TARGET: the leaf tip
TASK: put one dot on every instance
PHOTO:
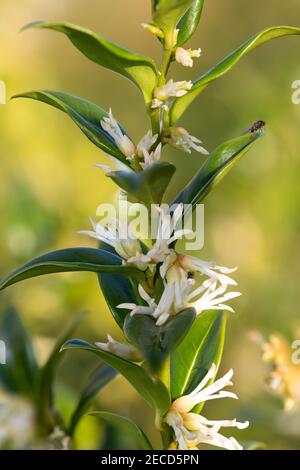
(33, 24)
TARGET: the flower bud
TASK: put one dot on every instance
(151, 28)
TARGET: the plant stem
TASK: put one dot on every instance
(165, 66)
(164, 374)
(155, 113)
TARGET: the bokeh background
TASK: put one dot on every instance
(49, 186)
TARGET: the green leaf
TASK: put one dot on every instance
(202, 346)
(152, 390)
(217, 165)
(46, 376)
(19, 373)
(101, 377)
(182, 103)
(86, 115)
(141, 70)
(189, 22)
(167, 15)
(126, 427)
(147, 186)
(117, 290)
(69, 260)
(157, 342)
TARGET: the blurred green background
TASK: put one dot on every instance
(49, 186)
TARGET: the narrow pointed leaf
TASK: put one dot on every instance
(98, 380)
(147, 186)
(152, 390)
(202, 346)
(118, 290)
(19, 373)
(157, 342)
(217, 165)
(189, 22)
(138, 68)
(127, 427)
(69, 260)
(182, 103)
(86, 115)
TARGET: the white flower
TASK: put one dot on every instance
(119, 236)
(175, 296)
(151, 157)
(169, 90)
(141, 309)
(213, 298)
(166, 235)
(118, 166)
(215, 286)
(182, 140)
(146, 143)
(185, 56)
(111, 126)
(177, 272)
(191, 429)
(125, 351)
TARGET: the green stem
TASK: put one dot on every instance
(165, 66)
(165, 373)
(155, 113)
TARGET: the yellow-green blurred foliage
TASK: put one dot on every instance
(49, 187)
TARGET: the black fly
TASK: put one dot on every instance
(256, 127)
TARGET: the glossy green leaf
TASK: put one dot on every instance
(127, 427)
(85, 114)
(152, 390)
(118, 290)
(182, 103)
(168, 13)
(69, 260)
(217, 165)
(157, 342)
(19, 373)
(47, 416)
(98, 380)
(202, 346)
(189, 22)
(147, 186)
(138, 68)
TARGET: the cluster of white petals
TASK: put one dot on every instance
(185, 56)
(182, 140)
(119, 236)
(145, 151)
(123, 142)
(191, 429)
(171, 89)
(125, 351)
(177, 271)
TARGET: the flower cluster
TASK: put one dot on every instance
(284, 376)
(148, 150)
(191, 429)
(179, 272)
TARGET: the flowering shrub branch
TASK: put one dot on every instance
(170, 305)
